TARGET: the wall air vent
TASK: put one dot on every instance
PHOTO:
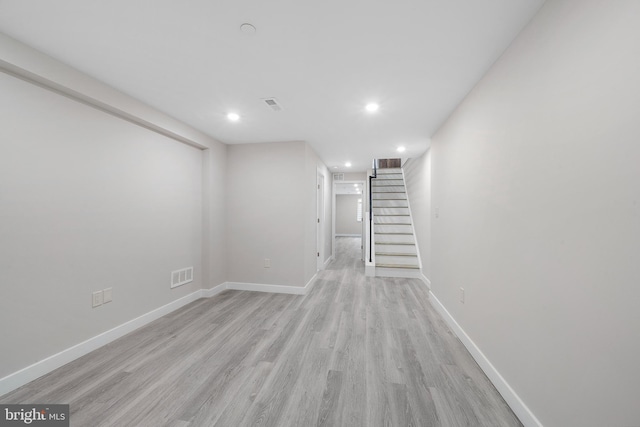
(338, 177)
(273, 104)
(181, 277)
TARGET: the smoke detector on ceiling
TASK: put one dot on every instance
(273, 104)
(248, 29)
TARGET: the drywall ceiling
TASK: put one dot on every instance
(322, 61)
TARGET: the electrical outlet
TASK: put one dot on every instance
(267, 263)
(97, 299)
(108, 295)
(462, 295)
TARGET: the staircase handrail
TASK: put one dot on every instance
(373, 175)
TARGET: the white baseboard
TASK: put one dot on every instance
(38, 369)
(517, 405)
(426, 280)
(276, 289)
(208, 293)
(369, 269)
(349, 235)
(328, 261)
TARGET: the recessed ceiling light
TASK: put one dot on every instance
(372, 107)
(335, 167)
(401, 149)
(355, 185)
(348, 164)
(234, 117)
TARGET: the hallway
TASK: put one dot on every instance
(355, 351)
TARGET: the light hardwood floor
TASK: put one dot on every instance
(355, 351)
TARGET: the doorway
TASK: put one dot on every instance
(348, 216)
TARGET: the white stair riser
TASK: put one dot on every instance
(390, 211)
(382, 196)
(382, 181)
(385, 188)
(389, 196)
(412, 273)
(385, 175)
(389, 204)
(389, 170)
(392, 219)
(401, 249)
(397, 260)
(387, 228)
(394, 238)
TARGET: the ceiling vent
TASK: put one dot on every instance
(273, 104)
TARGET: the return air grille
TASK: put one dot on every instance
(181, 277)
(273, 104)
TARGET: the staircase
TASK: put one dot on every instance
(396, 254)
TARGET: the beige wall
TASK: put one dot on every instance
(346, 205)
(537, 183)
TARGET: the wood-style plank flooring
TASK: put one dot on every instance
(355, 351)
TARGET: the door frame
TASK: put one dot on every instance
(333, 211)
(320, 220)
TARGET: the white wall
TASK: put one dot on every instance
(537, 180)
(417, 175)
(214, 226)
(87, 201)
(313, 166)
(328, 212)
(355, 176)
(95, 192)
(346, 208)
(271, 213)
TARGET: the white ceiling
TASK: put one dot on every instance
(322, 60)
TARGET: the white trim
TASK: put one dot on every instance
(328, 261)
(259, 287)
(513, 400)
(348, 235)
(310, 283)
(42, 367)
(333, 209)
(320, 224)
(38, 369)
(426, 280)
(276, 289)
(208, 293)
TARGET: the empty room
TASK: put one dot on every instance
(281, 213)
